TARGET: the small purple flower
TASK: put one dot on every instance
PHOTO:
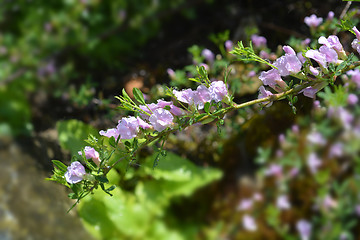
(208, 55)
(251, 74)
(218, 90)
(304, 229)
(310, 92)
(329, 202)
(75, 173)
(314, 71)
(356, 45)
(91, 153)
(357, 33)
(330, 54)
(316, 138)
(283, 203)
(306, 41)
(161, 119)
(288, 64)
(313, 163)
(185, 96)
(273, 79)
(319, 57)
(249, 223)
(128, 127)
(352, 99)
(289, 50)
(264, 55)
(274, 170)
(228, 45)
(143, 124)
(264, 93)
(245, 204)
(171, 73)
(333, 42)
(301, 58)
(355, 76)
(111, 132)
(330, 16)
(202, 95)
(258, 41)
(313, 21)
(336, 150)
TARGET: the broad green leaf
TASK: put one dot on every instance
(138, 95)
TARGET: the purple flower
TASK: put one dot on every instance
(310, 92)
(313, 163)
(306, 41)
(330, 16)
(319, 57)
(91, 153)
(333, 42)
(289, 50)
(150, 108)
(313, 21)
(355, 76)
(208, 55)
(304, 229)
(357, 33)
(228, 45)
(301, 58)
(128, 127)
(314, 71)
(143, 124)
(258, 41)
(336, 150)
(245, 204)
(316, 138)
(288, 64)
(185, 96)
(330, 54)
(201, 96)
(264, 55)
(274, 170)
(264, 93)
(171, 73)
(75, 173)
(112, 132)
(282, 202)
(352, 99)
(249, 223)
(273, 79)
(218, 90)
(329, 202)
(161, 119)
(356, 45)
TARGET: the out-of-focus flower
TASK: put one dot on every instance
(313, 21)
(228, 45)
(336, 150)
(258, 41)
(208, 55)
(171, 73)
(330, 16)
(264, 93)
(355, 76)
(249, 223)
(274, 170)
(91, 153)
(304, 228)
(313, 162)
(75, 172)
(316, 138)
(328, 202)
(282, 202)
(245, 204)
(352, 99)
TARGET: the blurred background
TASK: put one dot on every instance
(62, 63)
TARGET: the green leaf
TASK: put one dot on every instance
(112, 142)
(138, 95)
(102, 179)
(207, 107)
(62, 167)
(126, 96)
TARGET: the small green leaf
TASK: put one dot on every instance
(207, 107)
(138, 95)
(112, 142)
(102, 179)
(126, 96)
(62, 167)
(72, 196)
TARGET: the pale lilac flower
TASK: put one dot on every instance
(333, 42)
(306, 41)
(150, 108)
(352, 99)
(112, 132)
(355, 76)
(208, 55)
(314, 71)
(328, 202)
(264, 93)
(288, 64)
(281, 138)
(228, 45)
(143, 124)
(218, 90)
(345, 117)
(249, 223)
(304, 228)
(274, 170)
(356, 45)
(357, 210)
(161, 119)
(245, 204)
(330, 16)
(282, 202)
(310, 92)
(330, 54)
(258, 41)
(319, 57)
(295, 129)
(185, 96)
(128, 127)
(91, 153)
(251, 74)
(294, 172)
(289, 50)
(336, 150)
(316, 138)
(75, 173)
(264, 55)
(171, 73)
(301, 58)
(313, 21)
(313, 163)
(257, 197)
(273, 79)
(202, 95)
(357, 33)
